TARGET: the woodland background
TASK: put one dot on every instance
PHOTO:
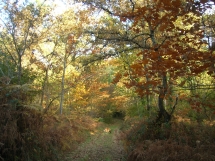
(67, 65)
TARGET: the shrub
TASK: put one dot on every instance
(170, 142)
(26, 134)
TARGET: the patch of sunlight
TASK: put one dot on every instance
(92, 133)
(94, 124)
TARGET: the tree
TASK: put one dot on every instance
(167, 39)
(98, 97)
(208, 27)
(70, 35)
(23, 26)
(65, 43)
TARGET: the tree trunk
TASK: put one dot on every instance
(62, 84)
(163, 115)
(148, 102)
(147, 91)
(19, 69)
(44, 87)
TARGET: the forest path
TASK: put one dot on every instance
(102, 146)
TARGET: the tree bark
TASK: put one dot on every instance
(44, 87)
(163, 115)
(62, 84)
(19, 69)
(148, 102)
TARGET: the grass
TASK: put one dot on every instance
(100, 146)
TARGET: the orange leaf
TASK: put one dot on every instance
(118, 76)
(144, 61)
(154, 55)
(182, 83)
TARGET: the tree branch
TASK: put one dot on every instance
(133, 5)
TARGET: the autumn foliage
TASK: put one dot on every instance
(167, 51)
(167, 48)
(28, 134)
(149, 63)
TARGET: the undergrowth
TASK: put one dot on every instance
(28, 135)
(176, 141)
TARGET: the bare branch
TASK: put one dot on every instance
(133, 5)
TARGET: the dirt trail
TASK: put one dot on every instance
(102, 146)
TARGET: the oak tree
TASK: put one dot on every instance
(165, 35)
(22, 26)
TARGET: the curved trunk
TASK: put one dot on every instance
(163, 115)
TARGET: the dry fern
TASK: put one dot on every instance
(174, 142)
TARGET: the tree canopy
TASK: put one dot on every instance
(104, 59)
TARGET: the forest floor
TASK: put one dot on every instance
(102, 145)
